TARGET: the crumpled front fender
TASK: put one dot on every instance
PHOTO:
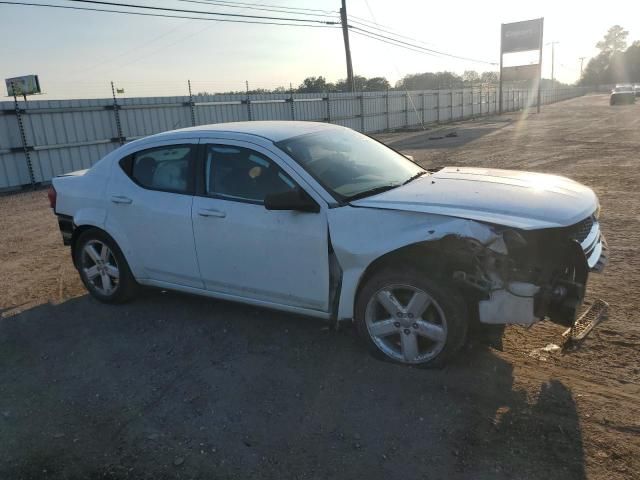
(359, 236)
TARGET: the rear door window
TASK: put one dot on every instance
(168, 168)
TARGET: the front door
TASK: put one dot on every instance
(248, 251)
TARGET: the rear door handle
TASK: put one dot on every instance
(121, 199)
(211, 212)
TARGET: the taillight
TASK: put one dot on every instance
(53, 195)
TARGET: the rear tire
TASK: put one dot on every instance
(103, 268)
(405, 317)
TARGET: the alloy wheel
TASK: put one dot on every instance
(406, 323)
(100, 267)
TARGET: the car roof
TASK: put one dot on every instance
(272, 130)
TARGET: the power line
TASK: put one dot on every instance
(199, 12)
(265, 8)
(380, 37)
(378, 27)
(164, 47)
(129, 51)
(384, 28)
(143, 14)
(394, 44)
(388, 31)
(283, 7)
(368, 21)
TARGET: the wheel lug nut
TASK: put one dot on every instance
(407, 331)
(399, 314)
(415, 325)
(410, 315)
(396, 324)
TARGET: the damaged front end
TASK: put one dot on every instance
(521, 277)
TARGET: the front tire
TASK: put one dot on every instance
(103, 268)
(407, 318)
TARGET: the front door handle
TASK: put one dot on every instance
(121, 199)
(211, 212)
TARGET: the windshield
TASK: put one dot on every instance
(348, 164)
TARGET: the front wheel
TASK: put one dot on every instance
(407, 318)
(103, 268)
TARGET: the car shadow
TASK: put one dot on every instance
(173, 386)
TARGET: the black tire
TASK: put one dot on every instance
(445, 297)
(124, 286)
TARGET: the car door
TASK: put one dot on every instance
(150, 195)
(248, 251)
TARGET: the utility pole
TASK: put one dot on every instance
(347, 48)
(553, 60)
(581, 64)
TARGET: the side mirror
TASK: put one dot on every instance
(296, 199)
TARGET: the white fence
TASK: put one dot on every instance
(42, 139)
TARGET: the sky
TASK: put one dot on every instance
(76, 54)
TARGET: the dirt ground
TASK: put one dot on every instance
(174, 386)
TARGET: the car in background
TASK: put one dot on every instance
(636, 88)
(317, 219)
(622, 94)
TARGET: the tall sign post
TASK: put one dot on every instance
(23, 86)
(521, 37)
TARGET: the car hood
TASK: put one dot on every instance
(512, 198)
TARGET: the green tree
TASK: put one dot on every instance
(429, 81)
(470, 77)
(594, 72)
(377, 84)
(489, 77)
(632, 62)
(614, 41)
(314, 85)
(612, 64)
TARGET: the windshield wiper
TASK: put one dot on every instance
(373, 191)
(417, 175)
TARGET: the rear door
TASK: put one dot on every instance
(150, 196)
(248, 251)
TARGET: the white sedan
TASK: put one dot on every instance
(320, 220)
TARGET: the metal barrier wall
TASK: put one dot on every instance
(44, 138)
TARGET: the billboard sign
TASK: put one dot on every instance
(522, 36)
(25, 85)
(520, 73)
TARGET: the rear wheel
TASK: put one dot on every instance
(407, 318)
(102, 267)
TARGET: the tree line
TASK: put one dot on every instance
(616, 62)
(414, 81)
